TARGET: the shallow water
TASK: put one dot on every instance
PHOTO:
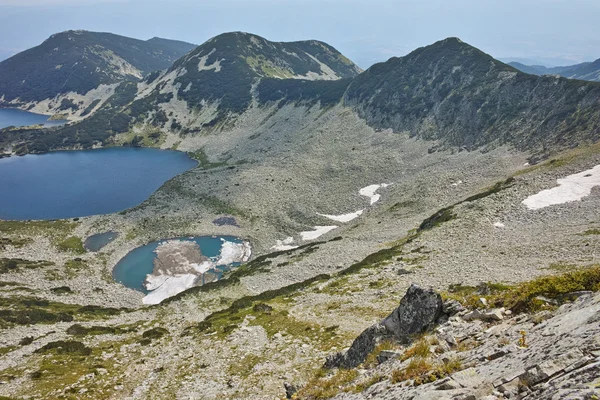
(132, 269)
(97, 242)
(67, 184)
(12, 117)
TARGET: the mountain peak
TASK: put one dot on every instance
(77, 61)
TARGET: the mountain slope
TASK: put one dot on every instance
(587, 71)
(223, 69)
(213, 84)
(453, 92)
(77, 62)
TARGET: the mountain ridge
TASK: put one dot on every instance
(68, 65)
(587, 71)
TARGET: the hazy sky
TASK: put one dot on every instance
(553, 31)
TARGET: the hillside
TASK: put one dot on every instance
(71, 64)
(453, 92)
(587, 71)
(211, 85)
(348, 191)
(221, 71)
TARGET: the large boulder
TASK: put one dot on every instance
(419, 310)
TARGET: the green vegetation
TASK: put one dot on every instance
(524, 297)
(155, 333)
(297, 91)
(203, 161)
(21, 310)
(594, 231)
(371, 360)
(79, 330)
(244, 366)
(65, 347)
(18, 243)
(72, 244)
(16, 264)
(322, 386)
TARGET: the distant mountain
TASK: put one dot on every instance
(68, 65)
(453, 92)
(587, 71)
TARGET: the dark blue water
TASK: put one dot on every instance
(67, 184)
(132, 269)
(97, 242)
(12, 117)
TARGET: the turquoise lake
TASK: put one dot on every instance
(12, 117)
(67, 184)
(132, 269)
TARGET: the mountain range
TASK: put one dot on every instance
(587, 71)
(448, 91)
(358, 194)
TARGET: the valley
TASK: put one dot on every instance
(348, 186)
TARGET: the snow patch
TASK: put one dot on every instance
(168, 286)
(370, 191)
(571, 188)
(344, 217)
(319, 231)
(285, 244)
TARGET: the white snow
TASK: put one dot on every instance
(171, 285)
(285, 244)
(233, 252)
(499, 225)
(165, 285)
(571, 188)
(319, 231)
(344, 217)
(370, 191)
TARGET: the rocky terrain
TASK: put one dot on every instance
(431, 195)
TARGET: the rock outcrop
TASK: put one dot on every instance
(419, 310)
(548, 355)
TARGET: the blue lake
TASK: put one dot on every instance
(67, 184)
(132, 269)
(13, 117)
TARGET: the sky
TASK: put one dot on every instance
(550, 32)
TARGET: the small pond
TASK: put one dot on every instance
(132, 269)
(97, 242)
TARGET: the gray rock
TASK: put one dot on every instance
(468, 378)
(549, 368)
(447, 384)
(452, 307)
(290, 390)
(362, 346)
(492, 315)
(386, 355)
(418, 311)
